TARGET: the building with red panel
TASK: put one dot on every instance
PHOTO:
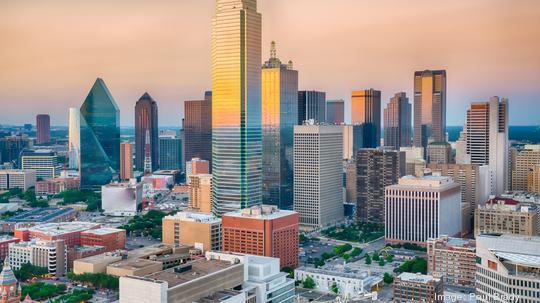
(70, 232)
(263, 230)
(111, 238)
(4, 245)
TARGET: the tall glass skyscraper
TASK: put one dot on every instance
(311, 106)
(146, 120)
(279, 115)
(397, 122)
(429, 107)
(366, 111)
(74, 137)
(198, 128)
(236, 106)
(100, 138)
(335, 111)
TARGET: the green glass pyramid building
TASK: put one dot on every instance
(100, 138)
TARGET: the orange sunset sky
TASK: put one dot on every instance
(52, 51)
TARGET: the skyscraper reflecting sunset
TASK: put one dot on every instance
(429, 107)
(236, 106)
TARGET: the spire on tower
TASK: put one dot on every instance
(147, 154)
(273, 52)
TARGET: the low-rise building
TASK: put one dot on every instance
(70, 232)
(506, 216)
(409, 287)
(37, 216)
(4, 245)
(121, 199)
(110, 238)
(49, 254)
(202, 230)
(11, 178)
(56, 186)
(452, 259)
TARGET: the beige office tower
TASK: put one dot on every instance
(522, 164)
(534, 180)
(486, 138)
(74, 140)
(126, 161)
(507, 269)
(439, 153)
(414, 160)
(318, 175)
(200, 193)
(429, 107)
(453, 259)
(348, 142)
(201, 230)
(506, 216)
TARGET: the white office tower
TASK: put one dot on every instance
(74, 143)
(420, 208)
(507, 268)
(485, 136)
(318, 169)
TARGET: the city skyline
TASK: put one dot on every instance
(497, 58)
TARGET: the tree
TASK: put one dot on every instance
(39, 203)
(381, 262)
(302, 238)
(356, 252)
(28, 271)
(368, 260)
(335, 288)
(318, 262)
(389, 258)
(388, 278)
(308, 283)
(375, 256)
(346, 257)
(289, 270)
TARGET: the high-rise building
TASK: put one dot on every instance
(318, 179)
(200, 193)
(414, 159)
(486, 138)
(10, 179)
(201, 230)
(198, 128)
(350, 182)
(415, 287)
(335, 111)
(429, 107)
(397, 122)
(43, 161)
(11, 147)
(420, 208)
(197, 166)
(146, 121)
(453, 259)
(279, 116)
(43, 129)
(236, 106)
(507, 268)
(375, 170)
(533, 181)
(170, 153)
(51, 254)
(366, 111)
(348, 148)
(99, 137)
(506, 216)
(126, 161)
(263, 230)
(74, 137)
(522, 164)
(311, 106)
(439, 153)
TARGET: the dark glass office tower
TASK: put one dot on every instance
(198, 128)
(100, 138)
(170, 153)
(43, 129)
(311, 105)
(146, 119)
(397, 122)
(335, 111)
(366, 111)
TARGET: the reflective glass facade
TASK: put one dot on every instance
(397, 122)
(100, 138)
(146, 119)
(279, 115)
(236, 106)
(311, 105)
(335, 111)
(429, 107)
(366, 111)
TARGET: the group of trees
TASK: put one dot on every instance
(379, 259)
(148, 224)
(362, 232)
(340, 250)
(42, 291)
(28, 271)
(76, 296)
(416, 265)
(388, 278)
(92, 199)
(29, 196)
(98, 280)
(4, 198)
(410, 246)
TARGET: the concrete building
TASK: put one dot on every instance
(10, 179)
(110, 238)
(414, 160)
(429, 107)
(439, 153)
(70, 232)
(522, 164)
(121, 199)
(375, 170)
(37, 216)
(263, 231)
(56, 186)
(50, 254)
(397, 122)
(348, 143)
(533, 181)
(43, 161)
(126, 161)
(419, 208)
(350, 182)
(318, 180)
(4, 245)
(410, 287)
(452, 259)
(366, 111)
(506, 216)
(311, 106)
(197, 166)
(43, 129)
(507, 269)
(485, 136)
(201, 230)
(200, 193)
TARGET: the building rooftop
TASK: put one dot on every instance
(262, 212)
(425, 182)
(56, 229)
(134, 264)
(219, 296)
(104, 231)
(418, 278)
(106, 258)
(40, 215)
(194, 217)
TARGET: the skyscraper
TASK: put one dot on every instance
(74, 143)
(100, 138)
(126, 161)
(146, 119)
(375, 169)
(43, 129)
(486, 138)
(335, 111)
(397, 122)
(429, 107)
(366, 111)
(236, 106)
(198, 128)
(170, 153)
(311, 105)
(279, 115)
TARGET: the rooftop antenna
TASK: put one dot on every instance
(273, 53)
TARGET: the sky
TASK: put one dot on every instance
(52, 51)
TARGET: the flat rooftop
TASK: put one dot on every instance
(134, 264)
(263, 212)
(194, 217)
(56, 229)
(40, 215)
(199, 268)
(425, 182)
(418, 278)
(101, 258)
(104, 231)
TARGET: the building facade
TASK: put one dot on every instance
(43, 129)
(366, 111)
(522, 164)
(11, 147)
(397, 122)
(439, 153)
(311, 106)
(506, 216)
(74, 137)
(429, 107)
(43, 161)
(201, 230)
(126, 161)
(10, 179)
(198, 128)
(411, 287)
(452, 259)
(170, 153)
(279, 115)
(121, 199)
(146, 120)
(318, 180)
(200, 193)
(43, 253)
(335, 112)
